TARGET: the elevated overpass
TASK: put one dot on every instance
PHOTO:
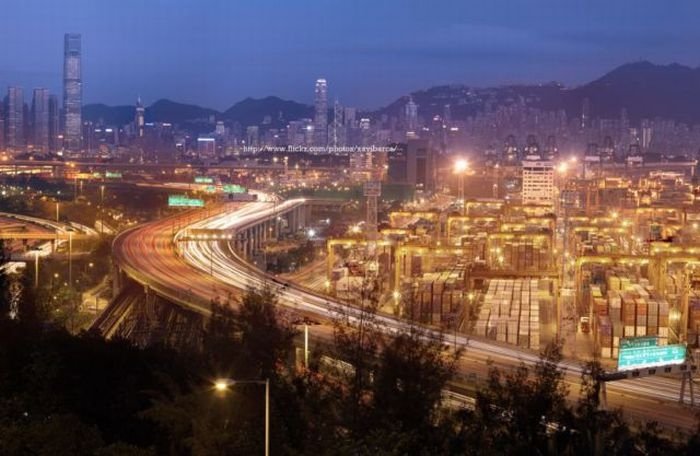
(192, 273)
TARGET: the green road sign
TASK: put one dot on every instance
(183, 201)
(203, 180)
(650, 356)
(639, 342)
(234, 188)
(113, 175)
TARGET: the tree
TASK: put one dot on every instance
(523, 412)
(598, 431)
(357, 336)
(5, 298)
(265, 339)
(412, 372)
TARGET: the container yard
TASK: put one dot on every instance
(628, 308)
(510, 311)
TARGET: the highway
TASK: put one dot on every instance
(196, 272)
(43, 229)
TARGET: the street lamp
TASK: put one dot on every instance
(460, 167)
(102, 208)
(70, 257)
(222, 385)
(36, 266)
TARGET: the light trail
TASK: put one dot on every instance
(194, 273)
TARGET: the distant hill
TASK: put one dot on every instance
(170, 111)
(465, 101)
(253, 111)
(160, 111)
(109, 115)
(644, 89)
(247, 112)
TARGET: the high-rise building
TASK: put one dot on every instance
(206, 147)
(139, 121)
(253, 136)
(585, 113)
(349, 117)
(15, 118)
(321, 113)
(54, 129)
(411, 113)
(538, 182)
(338, 131)
(72, 91)
(2, 128)
(420, 164)
(40, 119)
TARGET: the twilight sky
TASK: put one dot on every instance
(215, 53)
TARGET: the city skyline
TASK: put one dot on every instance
(492, 47)
(313, 227)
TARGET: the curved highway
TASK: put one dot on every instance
(193, 273)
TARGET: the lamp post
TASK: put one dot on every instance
(562, 170)
(102, 209)
(222, 385)
(57, 211)
(36, 267)
(70, 257)
(460, 167)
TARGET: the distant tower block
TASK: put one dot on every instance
(321, 113)
(372, 190)
(139, 122)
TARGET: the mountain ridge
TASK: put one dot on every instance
(644, 89)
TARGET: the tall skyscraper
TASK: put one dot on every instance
(338, 132)
(321, 113)
(40, 119)
(139, 121)
(15, 118)
(54, 129)
(411, 113)
(2, 127)
(585, 113)
(72, 91)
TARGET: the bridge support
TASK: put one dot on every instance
(687, 380)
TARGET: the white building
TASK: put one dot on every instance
(538, 182)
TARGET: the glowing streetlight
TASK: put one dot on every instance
(222, 385)
(460, 167)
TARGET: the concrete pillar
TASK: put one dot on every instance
(117, 281)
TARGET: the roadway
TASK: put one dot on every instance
(193, 273)
(38, 229)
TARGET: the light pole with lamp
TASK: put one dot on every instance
(102, 209)
(460, 167)
(222, 385)
(36, 252)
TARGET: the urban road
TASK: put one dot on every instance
(193, 273)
